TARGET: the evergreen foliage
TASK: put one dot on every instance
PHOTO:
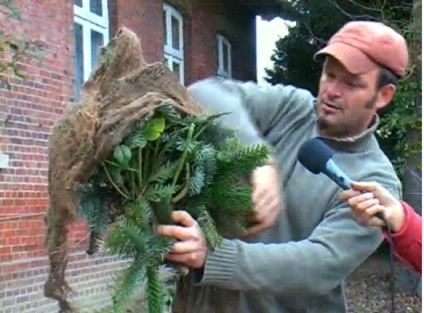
(315, 23)
(168, 161)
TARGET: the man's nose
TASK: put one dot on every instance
(333, 90)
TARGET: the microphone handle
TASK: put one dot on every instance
(341, 179)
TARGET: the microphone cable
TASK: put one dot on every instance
(392, 290)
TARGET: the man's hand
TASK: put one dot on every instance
(191, 249)
(266, 198)
(368, 199)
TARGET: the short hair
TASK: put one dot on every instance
(386, 77)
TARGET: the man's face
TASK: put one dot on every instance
(347, 103)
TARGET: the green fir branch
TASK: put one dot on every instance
(167, 162)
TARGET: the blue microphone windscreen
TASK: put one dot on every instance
(314, 155)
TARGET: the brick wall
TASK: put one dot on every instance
(144, 17)
(27, 114)
(207, 18)
(239, 27)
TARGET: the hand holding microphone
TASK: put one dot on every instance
(316, 156)
(366, 199)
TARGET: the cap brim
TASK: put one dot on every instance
(354, 60)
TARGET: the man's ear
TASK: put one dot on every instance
(385, 96)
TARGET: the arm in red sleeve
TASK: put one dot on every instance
(408, 240)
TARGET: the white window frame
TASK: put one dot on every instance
(221, 42)
(91, 21)
(171, 54)
(85, 13)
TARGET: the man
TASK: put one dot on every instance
(301, 262)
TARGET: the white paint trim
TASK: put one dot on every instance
(90, 21)
(170, 60)
(85, 13)
(171, 54)
(221, 42)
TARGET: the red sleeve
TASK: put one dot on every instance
(408, 240)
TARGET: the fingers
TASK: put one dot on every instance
(367, 217)
(365, 186)
(364, 205)
(182, 233)
(347, 194)
(261, 178)
(265, 205)
(258, 194)
(257, 228)
(183, 218)
(361, 201)
(374, 210)
(184, 258)
(252, 231)
(183, 247)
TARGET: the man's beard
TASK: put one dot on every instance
(338, 130)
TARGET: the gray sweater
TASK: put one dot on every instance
(301, 263)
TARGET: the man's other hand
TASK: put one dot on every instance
(266, 198)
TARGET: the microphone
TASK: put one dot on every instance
(316, 157)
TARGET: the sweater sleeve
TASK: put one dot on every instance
(264, 106)
(294, 267)
(408, 240)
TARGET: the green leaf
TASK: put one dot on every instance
(136, 140)
(154, 128)
(116, 174)
(122, 154)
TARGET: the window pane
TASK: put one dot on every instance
(225, 54)
(78, 61)
(79, 55)
(165, 37)
(175, 24)
(78, 3)
(176, 68)
(217, 53)
(96, 7)
(96, 43)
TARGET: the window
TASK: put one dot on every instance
(173, 40)
(223, 57)
(91, 31)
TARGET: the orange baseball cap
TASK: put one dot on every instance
(361, 46)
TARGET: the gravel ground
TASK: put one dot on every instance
(367, 289)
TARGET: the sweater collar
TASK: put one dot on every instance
(365, 141)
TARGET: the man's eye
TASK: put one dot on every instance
(353, 84)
